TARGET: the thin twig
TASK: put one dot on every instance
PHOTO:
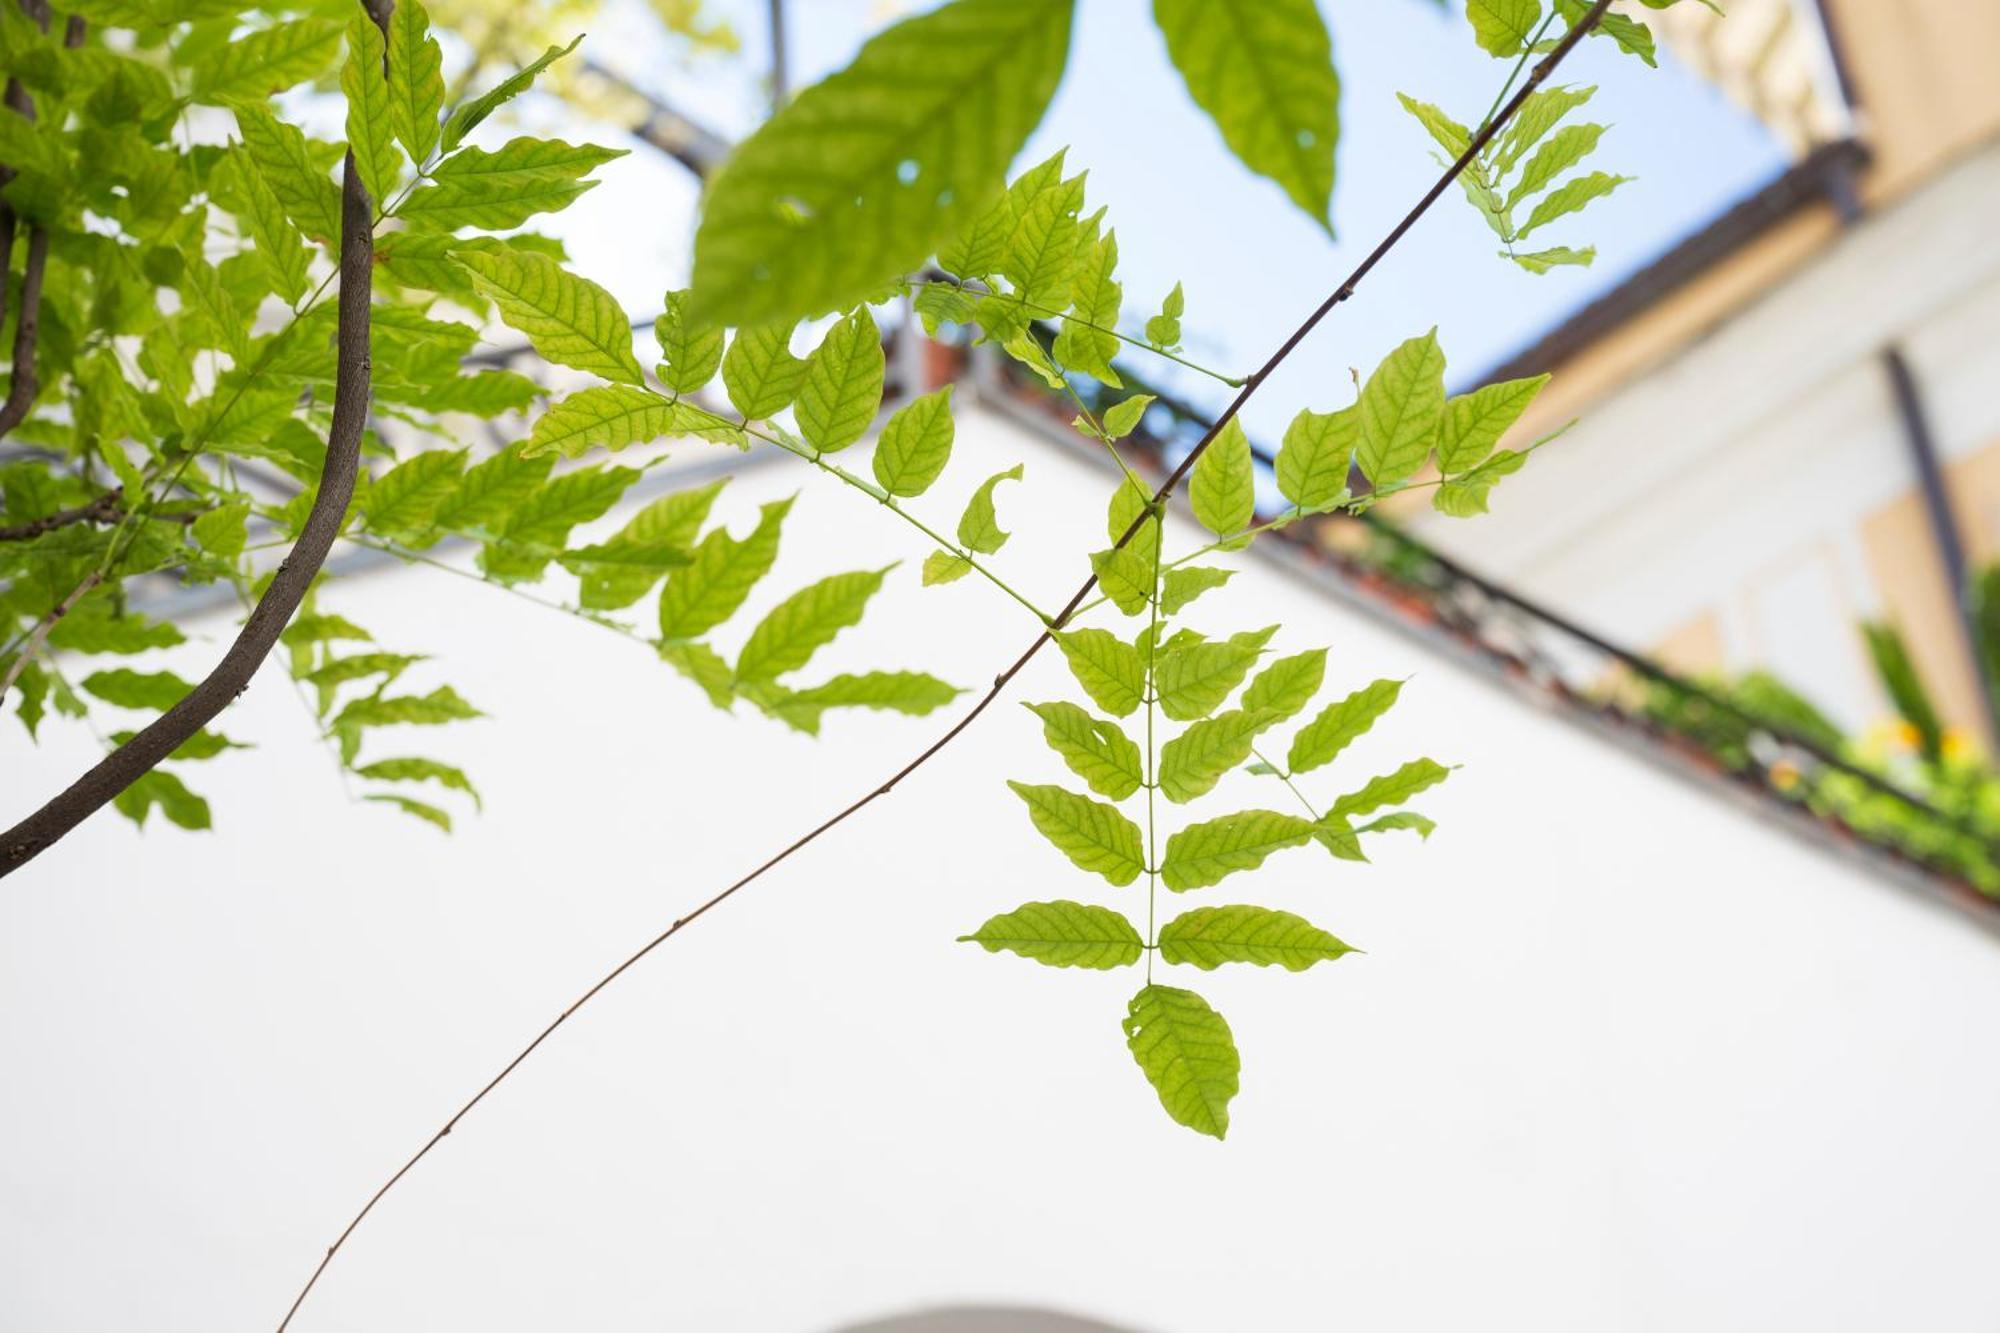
(43, 628)
(1000, 682)
(132, 760)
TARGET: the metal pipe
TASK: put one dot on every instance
(1943, 523)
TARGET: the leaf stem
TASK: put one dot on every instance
(1140, 343)
(868, 488)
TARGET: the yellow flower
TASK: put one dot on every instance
(1784, 775)
(1958, 745)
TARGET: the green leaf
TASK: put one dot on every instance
(1400, 408)
(279, 152)
(1287, 685)
(915, 445)
(1263, 71)
(1092, 834)
(691, 353)
(709, 591)
(980, 249)
(419, 770)
(1223, 489)
(423, 810)
(1040, 255)
(705, 667)
(1186, 1052)
(467, 117)
(1208, 937)
(416, 85)
(504, 188)
(360, 666)
(1538, 115)
(912, 692)
(1202, 854)
(1631, 35)
(1447, 133)
(163, 789)
(1126, 577)
(805, 622)
(941, 303)
(860, 176)
(1339, 723)
(1503, 27)
(1062, 934)
(536, 531)
(1097, 751)
(1474, 422)
(945, 567)
(1541, 261)
(405, 500)
(1123, 417)
(371, 134)
(1570, 146)
(760, 372)
(571, 321)
(1164, 329)
(979, 527)
(223, 530)
(1193, 679)
(614, 416)
(1181, 586)
(491, 491)
(441, 705)
(126, 688)
(1393, 788)
(842, 391)
(1106, 666)
(1401, 819)
(1088, 340)
(1570, 198)
(667, 526)
(1313, 460)
(1465, 495)
(1194, 761)
(278, 242)
(264, 63)
(323, 628)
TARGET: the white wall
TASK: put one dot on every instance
(1616, 1057)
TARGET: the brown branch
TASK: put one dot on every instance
(1479, 142)
(132, 760)
(27, 383)
(104, 509)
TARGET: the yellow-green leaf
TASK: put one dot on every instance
(796, 628)
(1400, 408)
(1263, 71)
(1106, 666)
(1095, 750)
(1223, 489)
(1312, 462)
(1096, 836)
(371, 134)
(1208, 937)
(915, 445)
(1338, 724)
(860, 176)
(1187, 1053)
(1202, 854)
(706, 593)
(842, 391)
(1062, 934)
(570, 320)
(979, 527)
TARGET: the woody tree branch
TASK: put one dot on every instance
(132, 760)
(1493, 126)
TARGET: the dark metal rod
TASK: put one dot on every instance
(1943, 523)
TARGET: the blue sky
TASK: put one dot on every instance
(1252, 264)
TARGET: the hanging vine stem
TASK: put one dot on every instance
(1298, 335)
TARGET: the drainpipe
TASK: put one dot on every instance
(1943, 523)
